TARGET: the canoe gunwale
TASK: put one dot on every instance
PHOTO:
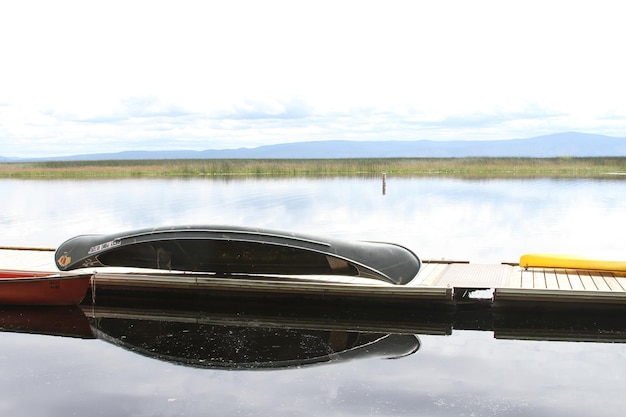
(47, 277)
(258, 233)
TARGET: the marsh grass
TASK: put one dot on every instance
(456, 167)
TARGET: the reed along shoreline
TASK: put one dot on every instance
(471, 167)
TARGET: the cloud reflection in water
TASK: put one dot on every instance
(475, 220)
(463, 374)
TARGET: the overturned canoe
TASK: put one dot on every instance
(228, 251)
(37, 288)
(547, 260)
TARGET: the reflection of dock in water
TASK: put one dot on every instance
(250, 335)
(547, 324)
(555, 325)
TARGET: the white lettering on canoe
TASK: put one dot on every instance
(103, 246)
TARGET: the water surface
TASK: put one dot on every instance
(457, 370)
(475, 220)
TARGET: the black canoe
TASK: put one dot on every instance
(227, 251)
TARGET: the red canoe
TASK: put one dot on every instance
(42, 288)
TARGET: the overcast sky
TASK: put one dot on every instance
(87, 77)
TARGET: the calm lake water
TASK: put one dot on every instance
(244, 361)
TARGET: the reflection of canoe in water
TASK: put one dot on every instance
(40, 288)
(228, 251)
(239, 346)
(546, 260)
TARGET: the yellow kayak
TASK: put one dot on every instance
(547, 260)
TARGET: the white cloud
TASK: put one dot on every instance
(244, 73)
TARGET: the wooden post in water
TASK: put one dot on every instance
(384, 183)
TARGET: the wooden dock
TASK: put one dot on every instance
(438, 282)
(511, 283)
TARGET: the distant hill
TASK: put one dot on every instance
(561, 144)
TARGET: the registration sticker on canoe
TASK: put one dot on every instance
(64, 260)
(103, 246)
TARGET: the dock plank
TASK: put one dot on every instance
(551, 281)
(169, 282)
(430, 273)
(559, 296)
(527, 280)
(475, 276)
(621, 280)
(575, 280)
(27, 260)
(515, 278)
(600, 283)
(563, 280)
(612, 282)
(587, 280)
(539, 279)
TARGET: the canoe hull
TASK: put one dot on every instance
(546, 260)
(33, 288)
(228, 251)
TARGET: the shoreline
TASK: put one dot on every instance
(470, 167)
